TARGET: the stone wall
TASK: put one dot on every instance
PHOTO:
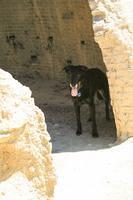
(26, 170)
(113, 27)
(40, 36)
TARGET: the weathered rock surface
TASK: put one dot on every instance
(40, 37)
(26, 171)
(113, 27)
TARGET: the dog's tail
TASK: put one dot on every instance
(100, 95)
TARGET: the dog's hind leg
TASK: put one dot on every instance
(94, 126)
(90, 115)
(106, 95)
(77, 112)
(107, 110)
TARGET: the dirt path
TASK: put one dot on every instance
(87, 168)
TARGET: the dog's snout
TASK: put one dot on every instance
(73, 85)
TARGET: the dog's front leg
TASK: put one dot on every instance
(77, 112)
(90, 114)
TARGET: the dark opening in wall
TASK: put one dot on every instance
(82, 42)
(69, 62)
(68, 14)
(13, 42)
(11, 37)
(34, 59)
(50, 41)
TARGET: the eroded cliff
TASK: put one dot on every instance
(113, 27)
(26, 170)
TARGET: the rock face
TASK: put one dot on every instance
(26, 170)
(113, 27)
(41, 36)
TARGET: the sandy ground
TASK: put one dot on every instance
(87, 168)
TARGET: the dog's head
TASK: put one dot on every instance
(75, 77)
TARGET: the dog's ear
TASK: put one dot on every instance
(83, 68)
(66, 69)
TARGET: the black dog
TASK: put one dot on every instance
(84, 84)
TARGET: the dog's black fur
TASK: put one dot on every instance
(91, 82)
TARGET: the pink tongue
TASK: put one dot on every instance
(74, 91)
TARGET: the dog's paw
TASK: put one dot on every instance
(108, 119)
(95, 135)
(78, 132)
(89, 120)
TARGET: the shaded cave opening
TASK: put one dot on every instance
(53, 98)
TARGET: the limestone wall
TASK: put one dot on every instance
(40, 36)
(26, 170)
(113, 27)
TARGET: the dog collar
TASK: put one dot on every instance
(79, 94)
